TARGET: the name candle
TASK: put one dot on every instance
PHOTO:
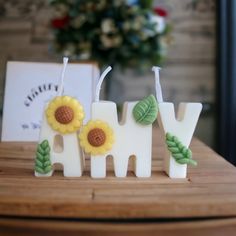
(58, 142)
(178, 131)
(104, 135)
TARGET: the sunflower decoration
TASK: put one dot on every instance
(65, 114)
(96, 137)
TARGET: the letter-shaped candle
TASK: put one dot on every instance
(178, 132)
(104, 136)
(58, 142)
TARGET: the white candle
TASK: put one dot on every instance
(58, 142)
(181, 129)
(65, 150)
(130, 138)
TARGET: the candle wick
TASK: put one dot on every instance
(99, 84)
(156, 70)
(61, 85)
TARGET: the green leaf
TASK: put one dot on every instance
(47, 169)
(39, 156)
(46, 157)
(189, 154)
(169, 138)
(192, 162)
(45, 144)
(178, 155)
(179, 152)
(47, 163)
(180, 146)
(39, 170)
(174, 149)
(170, 143)
(47, 150)
(43, 162)
(38, 163)
(183, 161)
(145, 111)
(40, 150)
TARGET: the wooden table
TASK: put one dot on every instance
(202, 204)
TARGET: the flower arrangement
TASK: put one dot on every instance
(125, 32)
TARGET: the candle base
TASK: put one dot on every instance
(49, 174)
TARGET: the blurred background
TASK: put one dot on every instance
(185, 46)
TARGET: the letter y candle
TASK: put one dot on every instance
(178, 132)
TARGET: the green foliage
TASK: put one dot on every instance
(111, 32)
(146, 3)
(145, 111)
(179, 152)
(42, 162)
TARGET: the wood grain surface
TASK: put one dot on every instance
(209, 191)
(19, 227)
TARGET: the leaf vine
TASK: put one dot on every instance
(179, 152)
(43, 163)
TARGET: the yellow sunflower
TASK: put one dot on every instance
(96, 137)
(65, 114)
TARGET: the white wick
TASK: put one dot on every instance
(61, 85)
(99, 84)
(156, 70)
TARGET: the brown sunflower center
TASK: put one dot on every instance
(64, 114)
(96, 137)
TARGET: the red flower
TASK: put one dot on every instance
(160, 11)
(59, 23)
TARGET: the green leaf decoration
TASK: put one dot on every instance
(43, 163)
(145, 111)
(179, 152)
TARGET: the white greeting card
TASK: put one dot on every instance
(30, 85)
